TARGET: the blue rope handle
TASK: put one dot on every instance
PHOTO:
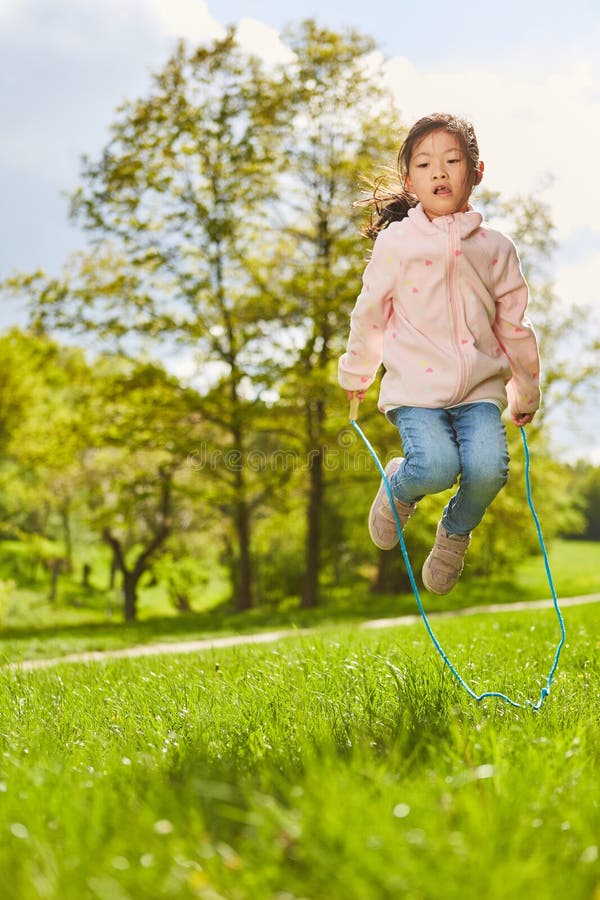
(546, 689)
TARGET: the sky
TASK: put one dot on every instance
(526, 73)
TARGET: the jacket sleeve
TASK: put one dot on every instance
(514, 331)
(358, 366)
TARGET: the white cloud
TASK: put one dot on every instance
(580, 282)
(6, 10)
(265, 42)
(188, 19)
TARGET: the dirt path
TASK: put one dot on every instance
(269, 637)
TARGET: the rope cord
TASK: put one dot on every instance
(546, 688)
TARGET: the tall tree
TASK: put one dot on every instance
(175, 209)
(345, 130)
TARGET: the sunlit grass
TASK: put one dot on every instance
(575, 569)
(40, 630)
(343, 765)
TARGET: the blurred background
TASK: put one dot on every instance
(179, 255)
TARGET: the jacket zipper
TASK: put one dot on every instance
(454, 250)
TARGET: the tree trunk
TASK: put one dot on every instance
(130, 595)
(55, 567)
(244, 575)
(244, 587)
(68, 539)
(114, 568)
(131, 576)
(181, 602)
(392, 577)
(310, 588)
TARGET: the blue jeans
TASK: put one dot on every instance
(441, 444)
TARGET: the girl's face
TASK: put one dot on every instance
(440, 174)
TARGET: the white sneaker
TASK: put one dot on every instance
(382, 523)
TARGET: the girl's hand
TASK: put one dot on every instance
(521, 419)
(360, 395)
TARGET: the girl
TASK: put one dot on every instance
(443, 307)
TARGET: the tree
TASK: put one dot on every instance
(175, 208)
(142, 426)
(345, 127)
(43, 430)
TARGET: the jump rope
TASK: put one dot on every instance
(354, 404)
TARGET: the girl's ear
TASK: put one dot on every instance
(408, 184)
(479, 173)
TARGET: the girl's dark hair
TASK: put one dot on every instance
(388, 205)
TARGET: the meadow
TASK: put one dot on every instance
(79, 621)
(345, 764)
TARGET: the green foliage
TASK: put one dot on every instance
(6, 594)
(185, 577)
(40, 476)
(279, 552)
(584, 482)
(222, 232)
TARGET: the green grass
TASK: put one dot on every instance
(37, 629)
(346, 765)
(575, 569)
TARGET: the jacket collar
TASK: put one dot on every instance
(466, 222)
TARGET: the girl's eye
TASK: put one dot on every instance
(454, 160)
(421, 165)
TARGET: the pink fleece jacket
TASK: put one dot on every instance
(443, 307)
